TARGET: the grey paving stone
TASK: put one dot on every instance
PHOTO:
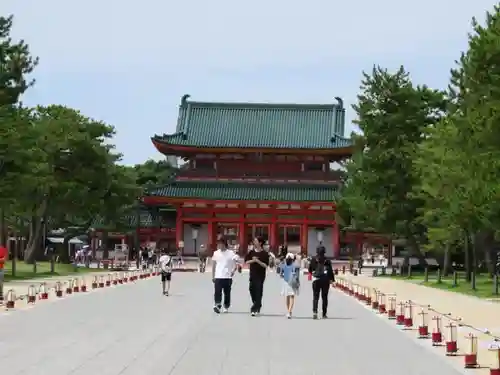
(134, 330)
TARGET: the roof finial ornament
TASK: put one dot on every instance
(184, 99)
(340, 102)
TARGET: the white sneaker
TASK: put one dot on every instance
(289, 315)
(224, 310)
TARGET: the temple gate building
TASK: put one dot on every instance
(255, 169)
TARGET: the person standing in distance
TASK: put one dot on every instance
(322, 275)
(166, 271)
(224, 265)
(258, 260)
(3, 258)
(202, 257)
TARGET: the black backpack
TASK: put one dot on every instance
(319, 271)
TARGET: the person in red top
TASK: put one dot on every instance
(3, 259)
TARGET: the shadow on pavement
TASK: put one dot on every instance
(269, 315)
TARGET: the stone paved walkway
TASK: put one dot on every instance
(479, 313)
(134, 330)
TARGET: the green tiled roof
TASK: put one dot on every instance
(218, 190)
(262, 125)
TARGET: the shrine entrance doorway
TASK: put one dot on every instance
(290, 235)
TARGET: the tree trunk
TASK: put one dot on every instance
(446, 261)
(489, 259)
(467, 257)
(31, 232)
(105, 249)
(414, 248)
(26, 235)
(64, 255)
(487, 249)
(3, 228)
(16, 251)
(473, 253)
(35, 248)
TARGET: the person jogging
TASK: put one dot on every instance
(224, 265)
(166, 271)
(258, 260)
(321, 271)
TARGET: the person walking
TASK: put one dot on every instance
(3, 260)
(258, 261)
(166, 271)
(202, 257)
(144, 257)
(322, 274)
(224, 265)
(291, 282)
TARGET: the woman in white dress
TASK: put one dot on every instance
(291, 282)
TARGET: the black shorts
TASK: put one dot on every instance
(166, 276)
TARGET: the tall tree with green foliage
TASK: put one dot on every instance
(392, 115)
(16, 63)
(460, 160)
(72, 171)
(154, 173)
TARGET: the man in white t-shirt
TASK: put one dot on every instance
(224, 265)
(165, 262)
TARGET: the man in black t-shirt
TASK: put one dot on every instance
(144, 258)
(321, 270)
(258, 260)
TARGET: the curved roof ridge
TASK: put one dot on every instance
(259, 105)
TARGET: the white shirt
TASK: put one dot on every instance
(225, 263)
(165, 263)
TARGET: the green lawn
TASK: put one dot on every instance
(26, 271)
(484, 285)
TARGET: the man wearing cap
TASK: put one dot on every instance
(3, 259)
(322, 274)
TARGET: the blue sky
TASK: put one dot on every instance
(129, 62)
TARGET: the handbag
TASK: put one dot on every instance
(294, 281)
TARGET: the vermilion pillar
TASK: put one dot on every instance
(242, 236)
(336, 241)
(215, 233)
(303, 237)
(210, 235)
(273, 231)
(179, 228)
(359, 246)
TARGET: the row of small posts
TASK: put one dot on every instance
(403, 314)
(77, 285)
(344, 269)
